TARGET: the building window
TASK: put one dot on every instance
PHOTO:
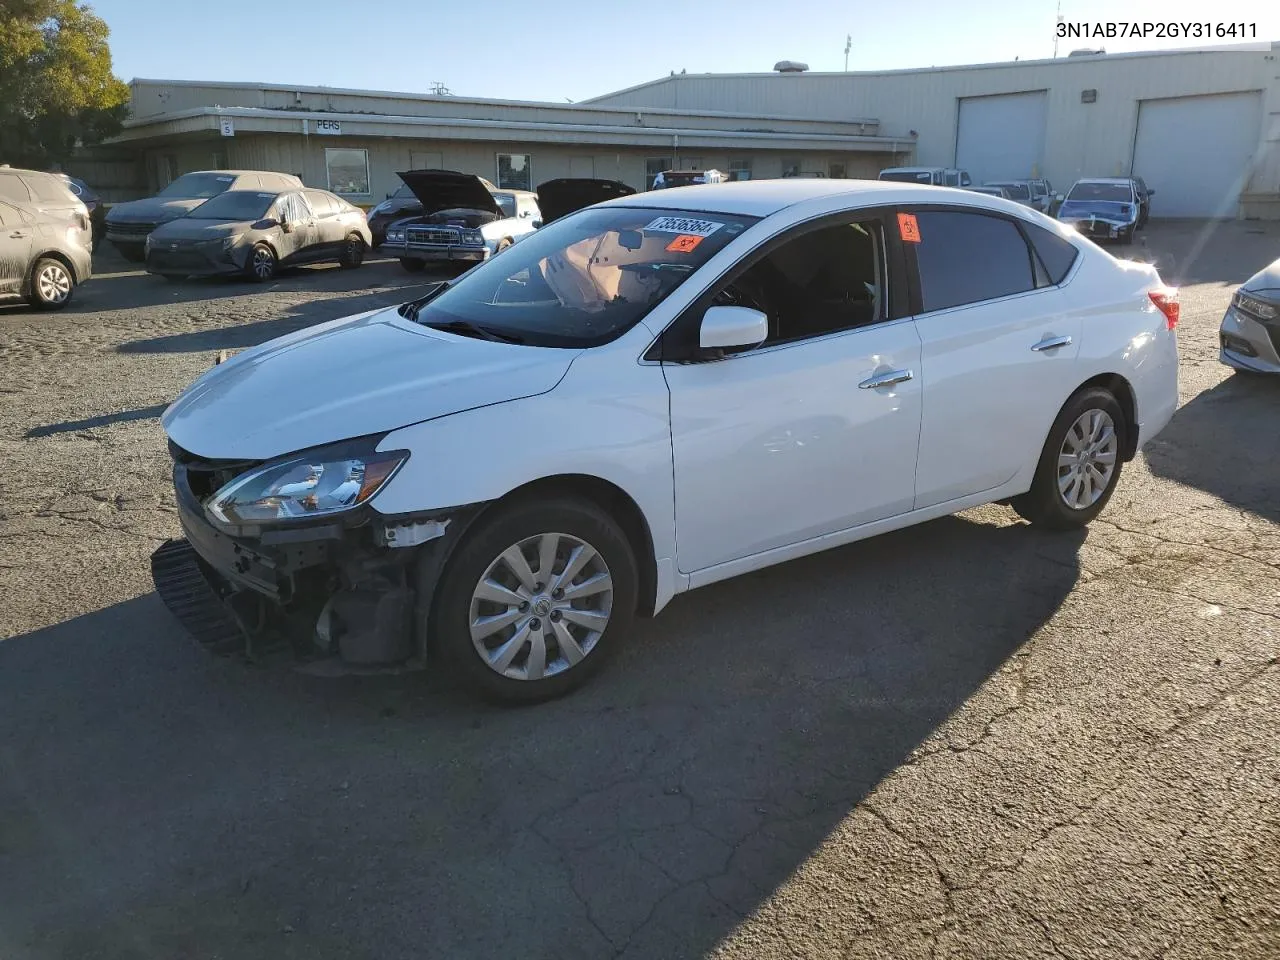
(740, 169)
(514, 172)
(791, 167)
(654, 166)
(693, 163)
(348, 170)
(836, 170)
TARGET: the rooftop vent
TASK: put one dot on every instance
(790, 66)
(1088, 52)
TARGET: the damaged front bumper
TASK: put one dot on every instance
(348, 595)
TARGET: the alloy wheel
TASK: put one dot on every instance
(541, 606)
(53, 283)
(264, 263)
(1087, 460)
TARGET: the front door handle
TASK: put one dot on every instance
(17, 235)
(887, 379)
(1052, 343)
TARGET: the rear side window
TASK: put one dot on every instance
(49, 190)
(12, 188)
(1055, 253)
(969, 257)
(322, 203)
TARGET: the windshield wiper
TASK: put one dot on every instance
(467, 328)
(410, 310)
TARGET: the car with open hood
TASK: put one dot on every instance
(1103, 208)
(646, 396)
(463, 220)
(400, 204)
(129, 224)
(256, 232)
(1249, 336)
(559, 198)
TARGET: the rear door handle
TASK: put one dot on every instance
(887, 379)
(1051, 343)
(17, 234)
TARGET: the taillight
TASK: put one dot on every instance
(1166, 301)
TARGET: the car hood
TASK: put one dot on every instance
(440, 190)
(1266, 280)
(1102, 209)
(151, 210)
(349, 378)
(190, 228)
(559, 198)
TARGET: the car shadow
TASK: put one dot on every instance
(155, 802)
(72, 426)
(1224, 442)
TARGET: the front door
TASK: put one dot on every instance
(999, 345)
(299, 243)
(15, 247)
(794, 439)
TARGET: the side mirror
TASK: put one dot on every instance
(537, 224)
(726, 328)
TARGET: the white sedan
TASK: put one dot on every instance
(647, 396)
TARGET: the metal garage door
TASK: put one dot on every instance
(1002, 138)
(1194, 152)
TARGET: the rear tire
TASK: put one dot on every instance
(565, 649)
(352, 252)
(52, 284)
(1085, 440)
(413, 266)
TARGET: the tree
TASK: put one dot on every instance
(57, 90)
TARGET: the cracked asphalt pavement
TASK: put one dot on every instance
(967, 739)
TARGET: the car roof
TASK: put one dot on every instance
(1105, 180)
(760, 198)
(914, 169)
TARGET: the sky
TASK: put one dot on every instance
(555, 50)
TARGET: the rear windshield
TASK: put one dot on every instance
(907, 176)
(585, 278)
(1107, 192)
(197, 186)
(235, 205)
(507, 201)
(1018, 191)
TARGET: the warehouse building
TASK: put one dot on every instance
(1202, 127)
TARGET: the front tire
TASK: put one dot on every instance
(1080, 464)
(535, 600)
(262, 263)
(413, 266)
(51, 284)
(352, 252)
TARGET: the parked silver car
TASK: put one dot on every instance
(129, 224)
(46, 239)
(1250, 331)
(1019, 190)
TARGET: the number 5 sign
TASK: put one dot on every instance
(228, 127)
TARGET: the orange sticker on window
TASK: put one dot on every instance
(908, 228)
(684, 243)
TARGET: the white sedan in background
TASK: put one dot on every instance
(651, 395)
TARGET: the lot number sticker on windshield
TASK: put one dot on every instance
(684, 243)
(683, 225)
(908, 228)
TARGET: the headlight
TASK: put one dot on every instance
(473, 237)
(1255, 307)
(395, 236)
(230, 242)
(326, 482)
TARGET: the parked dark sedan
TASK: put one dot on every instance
(255, 233)
(399, 205)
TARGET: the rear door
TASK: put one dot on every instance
(998, 348)
(330, 230)
(16, 231)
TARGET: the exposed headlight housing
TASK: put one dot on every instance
(395, 236)
(306, 486)
(1255, 307)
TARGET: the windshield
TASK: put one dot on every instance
(507, 201)
(907, 176)
(197, 186)
(1109, 192)
(235, 205)
(1018, 191)
(586, 278)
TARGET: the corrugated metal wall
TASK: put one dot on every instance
(1084, 139)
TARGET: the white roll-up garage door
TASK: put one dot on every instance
(1194, 152)
(1002, 137)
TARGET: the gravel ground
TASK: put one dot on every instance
(968, 739)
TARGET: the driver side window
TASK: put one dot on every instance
(818, 282)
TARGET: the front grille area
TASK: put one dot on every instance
(434, 236)
(181, 259)
(130, 231)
